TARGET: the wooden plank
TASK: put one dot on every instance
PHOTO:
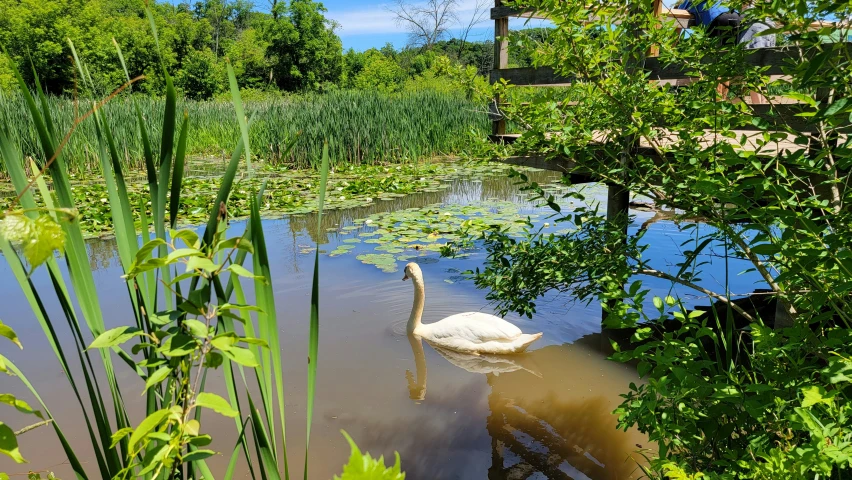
(774, 59)
(663, 140)
(498, 13)
(682, 17)
(530, 76)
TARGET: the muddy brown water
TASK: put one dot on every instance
(544, 414)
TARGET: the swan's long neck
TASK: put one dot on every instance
(417, 308)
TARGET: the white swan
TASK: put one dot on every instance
(470, 332)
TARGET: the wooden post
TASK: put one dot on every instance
(654, 51)
(501, 61)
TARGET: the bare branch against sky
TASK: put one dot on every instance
(426, 22)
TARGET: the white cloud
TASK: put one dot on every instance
(370, 20)
(378, 19)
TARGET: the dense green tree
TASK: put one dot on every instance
(295, 48)
(306, 53)
(200, 76)
(379, 73)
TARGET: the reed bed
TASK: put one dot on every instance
(361, 127)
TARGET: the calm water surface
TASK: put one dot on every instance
(546, 414)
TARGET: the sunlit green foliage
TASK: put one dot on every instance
(362, 127)
(364, 467)
(725, 394)
(188, 310)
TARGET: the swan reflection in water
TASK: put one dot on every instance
(545, 418)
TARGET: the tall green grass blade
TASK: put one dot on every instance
(169, 124)
(76, 254)
(123, 63)
(268, 329)
(241, 115)
(225, 186)
(241, 445)
(150, 15)
(177, 175)
(313, 342)
(148, 152)
(42, 317)
(79, 472)
(265, 451)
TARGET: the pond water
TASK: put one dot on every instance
(544, 414)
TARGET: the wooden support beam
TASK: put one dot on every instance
(774, 59)
(539, 77)
(500, 12)
(501, 61)
(682, 17)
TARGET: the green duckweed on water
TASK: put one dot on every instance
(406, 234)
(287, 191)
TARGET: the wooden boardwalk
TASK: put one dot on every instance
(780, 111)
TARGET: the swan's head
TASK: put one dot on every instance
(412, 270)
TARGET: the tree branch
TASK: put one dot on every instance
(672, 278)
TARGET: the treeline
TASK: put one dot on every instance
(292, 48)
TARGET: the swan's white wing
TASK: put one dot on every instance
(475, 327)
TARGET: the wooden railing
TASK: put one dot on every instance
(772, 59)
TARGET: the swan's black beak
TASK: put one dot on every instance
(404, 278)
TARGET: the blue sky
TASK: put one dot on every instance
(366, 24)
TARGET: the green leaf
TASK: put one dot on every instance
(181, 253)
(6, 331)
(227, 307)
(178, 345)
(19, 405)
(189, 237)
(838, 370)
(119, 435)
(192, 427)
(197, 455)
(37, 238)
(242, 356)
(239, 243)
(658, 303)
(215, 403)
(147, 426)
(197, 328)
(364, 467)
(201, 263)
(155, 378)
(146, 249)
(241, 271)
(115, 336)
(213, 360)
(9, 444)
(814, 64)
(815, 395)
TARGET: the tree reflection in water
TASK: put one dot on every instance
(550, 412)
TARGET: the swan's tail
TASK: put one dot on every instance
(527, 340)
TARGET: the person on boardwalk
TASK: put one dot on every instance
(726, 24)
